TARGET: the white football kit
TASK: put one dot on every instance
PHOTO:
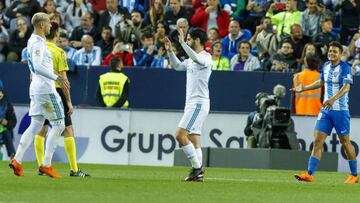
(45, 101)
(197, 103)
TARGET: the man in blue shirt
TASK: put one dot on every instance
(336, 79)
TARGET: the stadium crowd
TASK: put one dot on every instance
(243, 35)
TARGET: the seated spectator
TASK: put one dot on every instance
(322, 39)
(213, 35)
(4, 39)
(106, 42)
(98, 6)
(230, 42)
(114, 15)
(74, 13)
(113, 88)
(218, 62)
(63, 42)
(155, 13)
(145, 56)
(349, 19)
(160, 32)
(56, 17)
(312, 17)
(49, 7)
(211, 15)
(283, 20)
(160, 60)
(182, 24)
(308, 102)
(22, 8)
(121, 50)
(284, 61)
(86, 28)
(7, 122)
(133, 31)
(264, 39)
(298, 39)
(176, 11)
(244, 61)
(18, 40)
(89, 55)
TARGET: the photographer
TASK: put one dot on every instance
(123, 51)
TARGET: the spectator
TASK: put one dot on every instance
(182, 24)
(155, 13)
(86, 28)
(145, 56)
(355, 43)
(256, 9)
(98, 6)
(312, 17)
(133, 31)
(160, 60)
(160, 32)
(211, 15)
(56, 17)
(113, 90)
(298, 40)
(140, 5)
(284, 61)
(350, 16)
(322, 39)
(106, 42)
(230, 42)
(4, 39)
(7, 122)
(114, 15)
(63, 42)
(244, 60)
(283, 20)
(218, 62)
(213, 35)
(18, 40)
(235, 8)
(74, 14)
(21, 8)
(309, 48)
(121, 50)
(176, 11)
(264, 39)
(49, 7)
(89, 55)
(308, 102)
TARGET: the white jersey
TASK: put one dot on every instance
(41, 66)
(197, 79)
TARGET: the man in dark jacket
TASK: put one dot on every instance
(7, 122)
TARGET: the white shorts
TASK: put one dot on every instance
(194, 117)
(47, 105)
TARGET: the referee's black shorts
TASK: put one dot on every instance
(68, 121)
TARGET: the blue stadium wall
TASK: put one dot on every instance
(153, 88)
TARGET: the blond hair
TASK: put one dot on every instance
(38, 18)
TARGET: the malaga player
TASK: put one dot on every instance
(198, 71)
(60, 67)
(45, 101)
(336, 78)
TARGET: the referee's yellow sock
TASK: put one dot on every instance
(39, 148)
(70, 148)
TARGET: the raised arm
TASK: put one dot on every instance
(174, 61)
(189, 51)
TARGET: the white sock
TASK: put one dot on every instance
(28, 137)
(190, 153)
(52, 141)
(199, 155)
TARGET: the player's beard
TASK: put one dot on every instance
(192, 45)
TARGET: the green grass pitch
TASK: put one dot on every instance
(113, 183)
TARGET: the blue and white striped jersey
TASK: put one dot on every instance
(334, 79)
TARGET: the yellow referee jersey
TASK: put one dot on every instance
(59, 59)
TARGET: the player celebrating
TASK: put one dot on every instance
(60, 67)
(336, 78)
(198, 71)
(45, 101)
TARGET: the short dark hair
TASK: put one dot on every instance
(53, 30)
(114, 62)
(336, 44)
(63, 35)
(138, 11)
(198, 33)
(106, 27)
(263, 19)
(312, 61)
(288, 42)
(147, 35)
(326, 20)
(244, 42)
